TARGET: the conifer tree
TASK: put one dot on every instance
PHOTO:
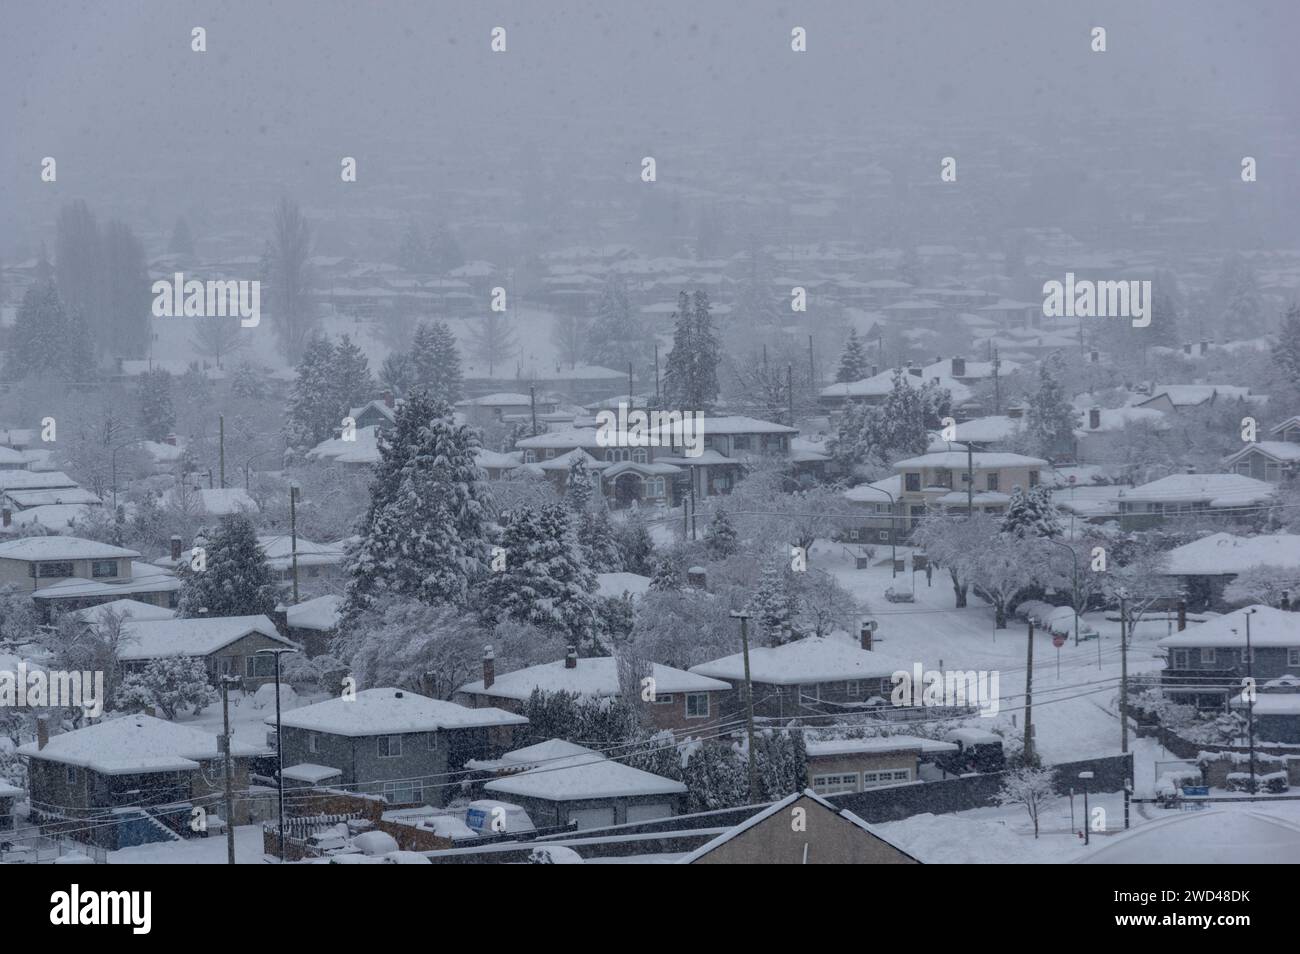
(720, 537)
(854, 365)
(236, 581)
(157, 414)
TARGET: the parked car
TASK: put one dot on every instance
(488, 816)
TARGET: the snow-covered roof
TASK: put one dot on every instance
(216, 501)
(532, 756)
(34, 480)
(805, 661)
(62, 548)
(881, 384)
(501, 399)
(616, 584)
(278, 550)
(152, 638)
(311, 773)
(871, 493)
(1223, 553)
(322, 613)
(985, 430)
(1117, 419)
(890, 743)
(1269, 627)
(390, 712)
(955, 460)
(1283, 451)
(53, 517)
(133, 609)
(595, 677)
(363, 450)
(1190, 395)
(51, 496)
(586, 776)
(1215, 836)
(1219, 490)
(136, 744)
(738, 424)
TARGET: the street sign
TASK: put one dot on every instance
(1058, 641)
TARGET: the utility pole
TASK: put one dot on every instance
(1250, 701)
(812, 371)
(279, 739)
(1123, 689)
(657, 398)
(630, 397)
(293, 535)
(532, 402)
(1029, 698)
(749, 702)
(221, 429)
(970, 481)
(789, 387)
(226, 682)
(997, 386)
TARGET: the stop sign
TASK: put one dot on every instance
(1058, 641)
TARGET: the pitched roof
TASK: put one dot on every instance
(584, 776)
(390, 712)
(153, 638)
(62, 548)
(596, 677)
(133, 744)
(804, 661)
(1219, 490)
(1269, 627)
(1224, 553)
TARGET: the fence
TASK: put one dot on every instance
(31, 846)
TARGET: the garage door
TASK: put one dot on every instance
(640, 813)
(592, 817)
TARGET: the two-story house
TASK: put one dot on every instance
(393, 742)
(68, 573)
(954, 481)
(1273, 460)
(1205, 665)
(228, 645)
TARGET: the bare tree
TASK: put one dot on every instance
(286, 271)
(1030, 787)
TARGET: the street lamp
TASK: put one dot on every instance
(893, 557)
(253, 458)
(279, 738)
(1087, 821)
(112, 460)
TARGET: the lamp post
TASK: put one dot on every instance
(294, 488)
(1250, 700)
(893, 520)
(253, 458)
(112, 461)
(1087, 822)
(1074, 591)
(279, 738)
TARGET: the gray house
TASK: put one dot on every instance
(1206, 664)
(392, 742)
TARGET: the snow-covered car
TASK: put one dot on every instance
(375, 843)
(447, 826)
(334, 840)
(899, 596)
(487, 816)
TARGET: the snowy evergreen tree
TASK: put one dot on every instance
(720, 537)
(312, 414)
(1243, 309)
(1286, 354)
(691, 371)
(168, 685)
(435, 362)
(398, 373)
(79, 265)
(125, 294)
(616, 337)
(425, 532)
(1031, 513)
(287, 275)
(715, 778)
(597, 537)
(248, 383)
(38, 330)
(782, 764)
(636, 545)
(577, 486)
(774, 605)
(237, 580)
(413, 251)
(545, 581)
(157, 414)
(1050, 420)
(350, 373)
(854, 365)
(494, 342)
(445, 252)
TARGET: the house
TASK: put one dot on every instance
(8, 795)
(504, 407)
(320, 565)
(122, 780)
(1206, 664)
(210, 501)
(380, 414)
(1271, 461)
(312, 623)
(814, 675)
(147, 584)
(1102, 429)
(228, 645)
(855, 765)
(1230, 496)
(587, 789)
(967, 372)
(874, 389)
(683, 702)
(1205, 566)
(1287, 431)
(625, 475)
(362, 451)
(22, 490)
(731, 445)
(1177, 398)
(125, 609)
(36, 562)
(942, 482)
(1275, 709)
(801, 829)
(395, 742)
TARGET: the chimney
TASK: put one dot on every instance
(875, 369)
(959, 367)
(6, 517)
(868, 631)
(1285, 605)
(913, 370)
(1094, 418)
(388, 399)
(1094, 356)
(1205, 347)
(571, 658)
(170, 440)
(1182, 613)
(42, 731)
(1187, 348)
(176, 549)
(280, 617)
(489, 667)
(697, 577)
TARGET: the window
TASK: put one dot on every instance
(1207, 656)
(53, 570)
(530, 457)
(1248, 655)
(993, 482)
(550, 452)
(103, 568)
(740, 442)
(313, 742)
(697, 705)
(640, 455)
(1033, 478)
(1293, 656)
(912, 482)
(71, 775)
(404, 792)
(886, 777)
(884, 534)
(854, 688)
(664, 699)
(390, 746)
(259, 667)
(834, 784)
(853, 534)
(1181, 659)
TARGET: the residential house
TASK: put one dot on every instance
(1271, 461)
(395, 742)
(504, 407)
(874, 389)
(1204, 567)
(855, 765)
(131, 780)
(381, 414)
(1177, 398)
(585, 788)
(311, 623)
(22, 490)
(682, 702)
(228, 645)
(1229, 496)
(1103, 429)
(320, 565)
(1205, 665)
(801, 829)
(362, 451)
(68, 573)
